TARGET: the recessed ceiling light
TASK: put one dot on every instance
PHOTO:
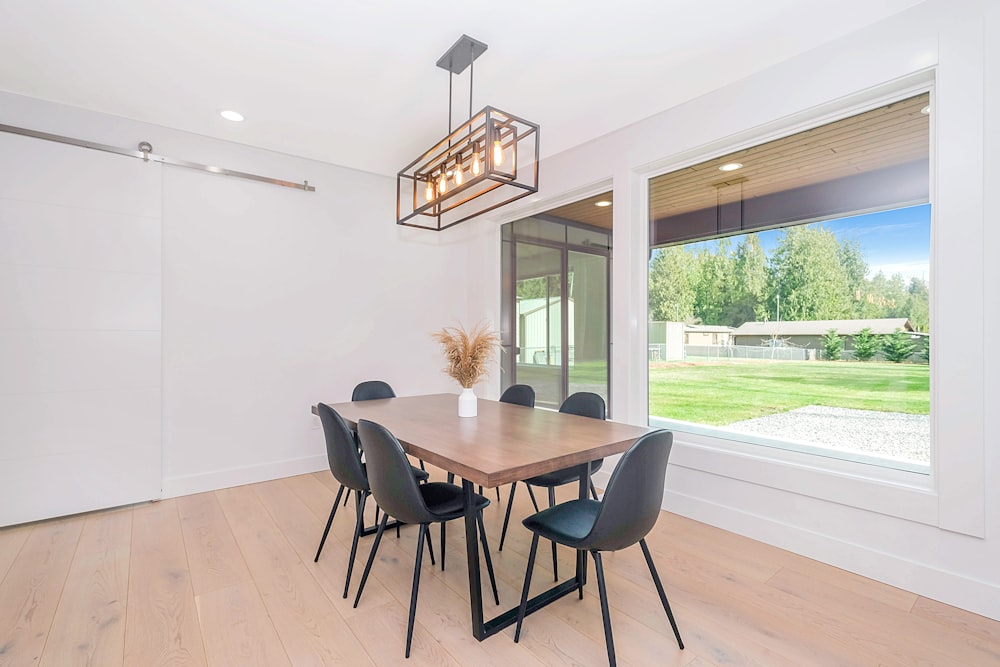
(602, 203)
(731, 166)
(234, 116)
(926, 110)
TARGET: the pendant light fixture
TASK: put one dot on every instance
(488, 161)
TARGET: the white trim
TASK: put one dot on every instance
(981, 597)
(229, 477)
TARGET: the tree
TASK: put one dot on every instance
(918, 309)
(833, 346)
(715, 286)
(866, 344)
(672, 276)
(852, 259)
(808, 277)
(897, 346)
(748, 301)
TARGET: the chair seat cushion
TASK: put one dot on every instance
(567, 523)
(444, 500)
(564, 476)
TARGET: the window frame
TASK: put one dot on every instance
(905, 494)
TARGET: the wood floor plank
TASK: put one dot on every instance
(875, 624)
(30, 592)
(237, 628)
(90, 619)
(382, 629)
(958, 619)
(304, 618)
(303, 529)
(12, 539)
(737, 602)
(162, 621)
(215, 560)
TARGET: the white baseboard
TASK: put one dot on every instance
(977, 596)
(222, 479)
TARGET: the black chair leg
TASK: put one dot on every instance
(329, 522)
(523, 608)
(416, 585)
(497, 489)
(371, 559)
(443, 524)
(659, 589)
(422, 465)
(486, 555)
(430, 547)
(599, 567)
(359, 525)
(555, 562)
(346, 498)
(531, 494)
(451, 478)
(506, 517)
(593, 491)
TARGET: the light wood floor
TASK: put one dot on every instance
(227, 578)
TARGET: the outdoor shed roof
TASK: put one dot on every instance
(820, 327)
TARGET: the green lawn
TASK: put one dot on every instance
(720, 393)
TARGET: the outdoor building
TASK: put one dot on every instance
(707, 334)
(539, 331)
(809, 333)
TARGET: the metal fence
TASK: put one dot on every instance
(658, 352)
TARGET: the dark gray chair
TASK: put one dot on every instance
(628, 512)
(373, 390)
(584, 404)
(345, 463)
(399, 495)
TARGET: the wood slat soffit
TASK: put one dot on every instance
(883, 149)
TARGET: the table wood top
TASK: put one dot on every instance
(503, 444)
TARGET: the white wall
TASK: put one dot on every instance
(937, 536)
(272, 298)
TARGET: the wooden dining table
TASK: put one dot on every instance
(504, 443)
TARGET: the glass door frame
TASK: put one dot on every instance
(508, 313)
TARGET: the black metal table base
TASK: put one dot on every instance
(482, 629)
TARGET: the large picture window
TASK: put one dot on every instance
(789, 296)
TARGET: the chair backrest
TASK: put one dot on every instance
(342, 450)
(372, 390)
(390, 475)
(585, 404)
(634, 495)
(519, 394)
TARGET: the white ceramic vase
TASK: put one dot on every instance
(467, 403)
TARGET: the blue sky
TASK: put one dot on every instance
(896, 241)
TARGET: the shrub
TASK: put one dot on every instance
(833, 346)
(897, 346)
(866, 344)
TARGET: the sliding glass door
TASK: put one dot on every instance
(555, 309)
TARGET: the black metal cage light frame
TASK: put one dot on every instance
(487, 162)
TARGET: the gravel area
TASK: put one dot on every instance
(894, 434)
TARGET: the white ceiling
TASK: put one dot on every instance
(354, 82)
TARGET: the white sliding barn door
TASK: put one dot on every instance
(80, 353)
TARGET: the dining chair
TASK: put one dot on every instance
(516, 394)
(344, 458)
(629, 510)
(372, 390)
(584, 404)
(399, 495)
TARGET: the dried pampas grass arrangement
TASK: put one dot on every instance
(467, 354)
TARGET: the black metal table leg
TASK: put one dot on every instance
(472, 553)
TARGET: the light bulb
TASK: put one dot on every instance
(442, 184)
(497, 151)
(429, 191)
(459, 177)
(476, 167)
